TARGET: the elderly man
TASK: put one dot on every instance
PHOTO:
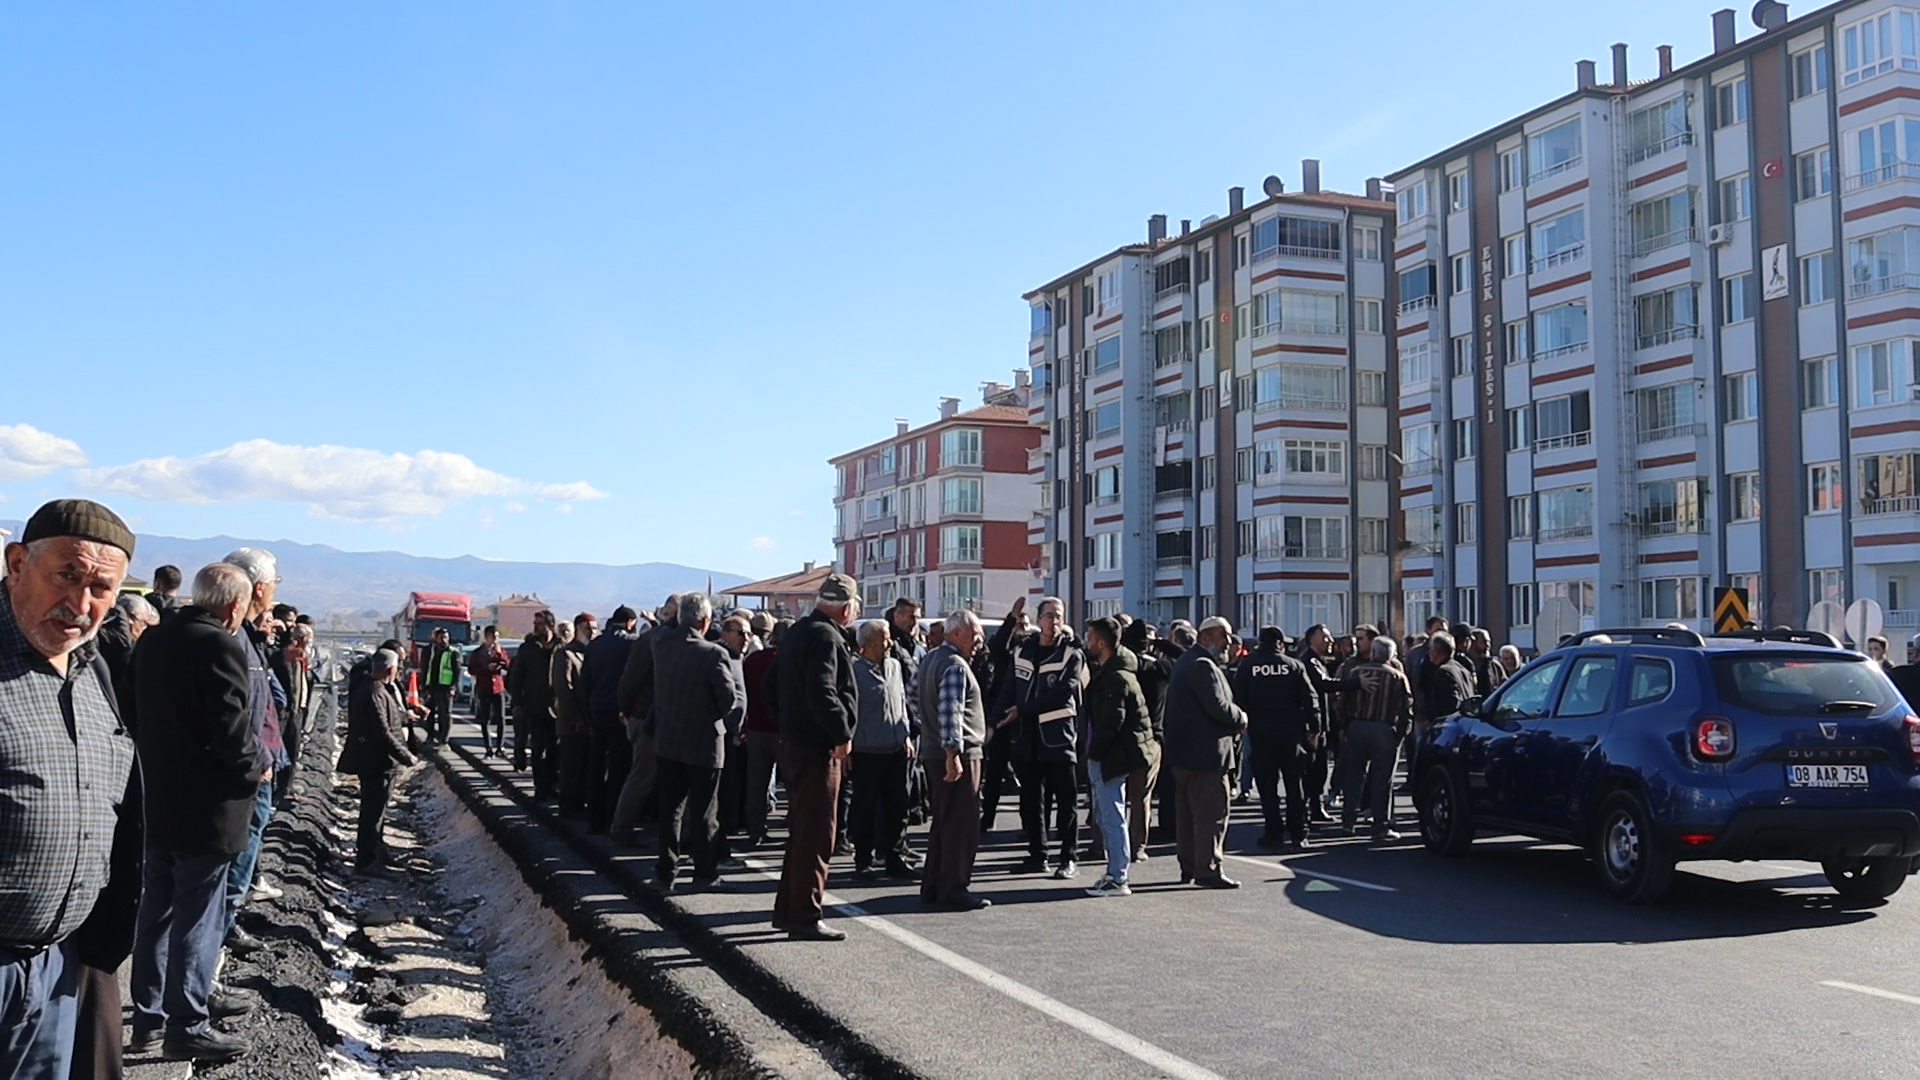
(952, 741)
(120, 631)
(816, 700)
(205, 766)
(61, 838)
(1440, 684)
(1381, 712)
(762, 734)
(530, 685)
(695, 702)
(1203, 727)
(883, 749)
(570, 719)
(268, 702)
(638, 803)
(609, 744)
(376, 742)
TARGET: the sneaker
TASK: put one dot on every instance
(1066, 871)
(1106, 886)
(1381, 836)
(817, 931)
(266, 890)
(210, 1045)
(1140, 854)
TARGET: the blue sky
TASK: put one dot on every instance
(611, 281)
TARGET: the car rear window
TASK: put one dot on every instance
(1799, 684)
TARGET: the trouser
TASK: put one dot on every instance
(1140, 787)
(291, 736)
(490, 714)
(370, 842)
(39, 1006)
(1041, 783)
(1313, 774)
(1367, 758)
(176, 940)
(994, 764)
(439, 712)
(570, 775)
(1278, 758)
(879, 814)
(763, 762)
(96, 1029)
(813, 787)
(609, 755)
(1167, 790)
(684, 788)
(953, 839)
(1108, 798)
(240, 874)
(522, 741)
(1201, 828)
(635, 802)
(543, 755)
(733, 787)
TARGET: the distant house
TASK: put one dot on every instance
(788, 594)
(512, 614)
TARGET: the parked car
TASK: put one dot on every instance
(1651, 747)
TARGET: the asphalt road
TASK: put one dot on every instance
(1356, 960)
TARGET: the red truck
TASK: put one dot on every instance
(429, 611)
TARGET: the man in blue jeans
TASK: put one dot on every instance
(1119, 741)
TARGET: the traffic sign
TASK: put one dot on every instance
(1730, 610)
(1558, 618)
(1865, 620)
(1829, 618)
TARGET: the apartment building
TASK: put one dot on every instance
(1215, 409)
(940, 512)
(1658, 336)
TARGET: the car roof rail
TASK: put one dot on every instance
(1783, 634)
(1637, 635)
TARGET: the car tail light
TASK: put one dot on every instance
(1713, 738)
(1700, 839)
(1913, 737)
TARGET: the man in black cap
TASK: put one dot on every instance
(69, 851)
(1283, 721)
(817, 701)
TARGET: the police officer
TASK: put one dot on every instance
(1285, 724)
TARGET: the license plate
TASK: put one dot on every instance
(1826, 776)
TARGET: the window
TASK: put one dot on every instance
(1651, 681)
(1751, 583)
(1372, 608)
(1204, 339)
(960, 446)
(1105, 486)
(1513, 169)
(1739, 396)
(1519, 428)
(1457, 188)
(1663, 412)
(960, 495)
(1173, 478)
(1209, 470)
(1417, 449)
(1243, 391)
(1870, 47)
(1203, 266)
(1670, 507)
(1106, 551)
(1825, 585)
(1563, 421)
(1743, 496)
(889, 461)
(1413, 201)
(1206, 402)
(1518, 350)
(1314, 457)
(1267, 457)
(1730, 103)
(1173, 546)
(1875, 152)
(1664, 317)
(1466, 523)
(1514, 255)
(1519, 517)
(1416, 288)
(1810, 72)
(1174, 411)
(1172, 345)
(1559, 240)
(1372, 387)
(1423, 528)
(1577, 591)
(1373, 461)
(879, 507)
(1520, 608)
(1172, 276)
(1106, 353)
(1566, 513)
(1463, 355)
(1663, 222)
(1107, 291)
(1670, 598)
(1736, 299)
(1466, 438)
(1657, 129)
(1887, 482)
(1209, 547)
(1366, 243)
(1296, 237)
(1878, 263)
(1460, 273)
(1373, 536)
(1041, 319)
(1106, 419)
(1813, 174)
(1243, 465)
(1298, 311)
(1589, 687)
(1421, 605)
(1416, 365)
(1314, 537)
(958, 591)
(1816, 278)
(1820, 383)
(1736, 198)
(1823, 488)
(1300, 386)
(1245, 535)
(1366, 316)
(1558, 331)
(959, 545)
(1554, 150)
(1883, 373)
(1301, 610)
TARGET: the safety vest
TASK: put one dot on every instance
(447, 671)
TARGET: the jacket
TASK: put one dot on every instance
(753, 672)
(439, 673)
(199, 755)
(1203, 723)
(530, 677)
(376, 730)
(1277, 694)
(1044, 682)
(905, 650)
(634, 695)
(1440, 688)
(881, 726)
(569, 697)
(1320, 677)
(694, 695)
(815, 700)
(1119, 724)
(488, 666)
(1487, 674)
(1155, 672)
(1378, 693)
(600, 671)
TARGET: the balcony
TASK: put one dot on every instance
(1172, 560)
(1673, 431)
(878, 567)
(1290, 252)
(1173, 358)
(1312, 329)
(1302, 403)
(1666, 337)
(1565, 532)
(1313, 551)
(1418, 303)
(1173, 290)
(1651, 244)
(879, 526)
(959, 558)
(1887, 283)
(1563, 442)
(1557, 258)
(1555, 170)
(1671, 142)
(1560, 350)
(1670, 528)
(1106, 500)
(1892, 504)
(1903, 619)
(1885, 174)
(1037, 458)
(1420, 466)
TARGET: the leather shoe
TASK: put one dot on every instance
(210, 1045)
(816, 932)
(239, 941)
(143, 1042)
(973, 902)
(903, 872)
(1222, 882)
(226, 1004)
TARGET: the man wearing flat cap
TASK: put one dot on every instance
(67, 827)
(1203, 730)
(817, 702)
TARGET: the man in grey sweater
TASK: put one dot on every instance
(883, 749)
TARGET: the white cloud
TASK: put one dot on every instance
(563, 508)
(513, 507)
(27, 453)
(334, 481)
(761, 543)
(576, 491)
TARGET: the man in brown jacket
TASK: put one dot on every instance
(570, 718)
(1381, 713)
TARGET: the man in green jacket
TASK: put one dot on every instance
(1120, 742)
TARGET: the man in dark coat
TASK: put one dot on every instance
(530, 685)
(817, 703)
(992, 665)
(204, 765)
(609, 753)
(1203, 728)
(376, 742)
(638, 803)
(1441, 684)
(694, 699)
(571, 719)
(1120, 742)
(1283, 724)
(1041, 703)
(1154, 672)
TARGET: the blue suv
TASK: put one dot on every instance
(1648, 747)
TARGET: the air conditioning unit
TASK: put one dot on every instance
(1719, 235)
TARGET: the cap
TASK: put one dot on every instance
(838, 589)
(1272, 635)
(762, 622)
(83, 519)
(1215, 622)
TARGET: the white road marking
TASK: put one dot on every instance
(1168, 1063)
(1304, 872)
(1873, 991)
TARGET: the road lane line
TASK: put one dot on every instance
(1133, 1046)
(1872, 991)
(1303, 872)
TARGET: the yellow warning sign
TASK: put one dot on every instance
(1729, 610)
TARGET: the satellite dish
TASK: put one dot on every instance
(1272, 185)
(1768, 14)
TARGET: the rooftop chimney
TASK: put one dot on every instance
(1310, 176)
(1583, 75)
(1666, 60)
(1769, 15)
(1021, 377)
(900, 425)
(1156, 228)
(808, 566)
(1186, 226)
(1236, 199)
(1375, 190)
(949, 408)
(1620, 64)
(1723, 30)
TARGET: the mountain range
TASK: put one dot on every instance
(357, 587)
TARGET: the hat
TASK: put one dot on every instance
(1272, 635)
(1215, 622)
(762, 622)
(838, 589)
(83, 519)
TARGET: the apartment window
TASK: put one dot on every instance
(1366, 243)
(1316, 457)
(1463, 355)
(1825, 585)
(1421, 605)
(1743, 497)
(1301, 610)
(1457, 189)
(1366, 316)
(1042, 378)
(1671, 598)
(1519, 517)
(1107, 291)
(1174, 411)
(1209, 546)
(1730, 103)
(1566, 513)
(1460, 273)
(879, 507)
(1514, 255)
(1820, 383)
(1874, 47)
(1466, 438)
(1739, 396)
(1887, 482)
(1813, 174)
(1736, 299)
(1173, 478)
(1670, 506)
(1244, 533)
(1207, 394)
(1172, 276)
(960, 591)
(1558, 331)
(889, 461)
(1823, 488)
(1203, 266)
(1517, 342)
(1041, 319)
(1659, 223)
(1663, 412)
(1520, 609)
(1300, 386)
(1106, 419)
(960, 495)
(1209, 470)
(1513, 169)
(1466, 604)
(1519, 428)
(1566, 420)
(1579, 592)
(1736, 198)
(1554, 150)
(1243, 465)
(959, 545)
(1413, 201)
(1315, 537)
(1416, 365)
(1883, 373)
(1299, 237)
(1423, 528)
(1663, 317)
(1106, 353)
(1106, 551)
(1105, 487)
(1657, 128)
(1466, 523)
(1559, 240)
(1373, 461)
(1203, 340)
(1417, 447)
(1371, 386)
(1373, 536)
(1810, 72)
(1175, 545)
(1171, 345)
(1267, 458)
(1416, 288)
(1243, 391)
(1816, 278)
(1299, 311)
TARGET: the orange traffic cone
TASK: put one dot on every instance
(413, 689)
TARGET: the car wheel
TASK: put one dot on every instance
(1444, 824)
(1634, 866)
(1869, 878)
